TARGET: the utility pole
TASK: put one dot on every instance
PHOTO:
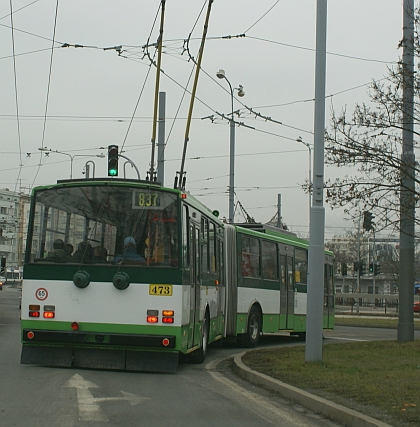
(161, 138)
(407, 200)
(315, 299)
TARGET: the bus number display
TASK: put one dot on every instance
(160, 290)
(147, 200)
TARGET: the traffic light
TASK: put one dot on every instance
(362, 269)
(343, 269)
(367, 220)
(377, 269)
(113, 160)
(3, 265)
(371, 268)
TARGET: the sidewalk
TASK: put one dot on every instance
(337, 413)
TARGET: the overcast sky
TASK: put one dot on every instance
(79, 99)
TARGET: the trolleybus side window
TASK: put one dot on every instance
(186, 236)
(250, 257)
(269, 260)
(205, 243)
(301, 267)
(212, 248)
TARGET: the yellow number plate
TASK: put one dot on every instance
(160, 290)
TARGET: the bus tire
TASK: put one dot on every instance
(252, 336)
(199, 355)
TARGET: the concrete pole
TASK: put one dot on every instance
(315, 304)
(407, 202)
(161, 138)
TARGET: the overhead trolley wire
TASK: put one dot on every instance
(266, 13)
(48, 93)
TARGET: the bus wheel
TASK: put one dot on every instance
(252, 335)
(199, 355)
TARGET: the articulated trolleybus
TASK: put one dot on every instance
(129, 275)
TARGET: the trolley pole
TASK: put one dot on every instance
(315, 295)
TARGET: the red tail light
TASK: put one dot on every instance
(49, 314)
(152, 319)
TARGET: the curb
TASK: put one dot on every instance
(334, 412)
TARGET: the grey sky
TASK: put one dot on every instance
(93, 92)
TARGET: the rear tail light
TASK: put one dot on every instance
(75, 326)
(168, 316)
(152, 319)
(34, 314)
(49, 311)
(49, 314)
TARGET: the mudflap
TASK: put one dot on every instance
(149, 361)
(47, 356)
(92, 358)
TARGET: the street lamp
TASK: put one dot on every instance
(221, 75)
(310, 177)
(49, 150)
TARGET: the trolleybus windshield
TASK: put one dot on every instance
(106, 225)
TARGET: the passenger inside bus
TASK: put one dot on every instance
(58, 253)
(100, 254)
(129, 255)
(68, 249)
(83, 253)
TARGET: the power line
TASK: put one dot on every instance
(266, 13)
(48, 92)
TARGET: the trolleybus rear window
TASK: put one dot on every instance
(104, 225)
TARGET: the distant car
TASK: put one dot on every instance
(2, 281)
(417, 307)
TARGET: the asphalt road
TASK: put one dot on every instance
(196, 395)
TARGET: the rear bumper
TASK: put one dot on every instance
(94, 338)
(150, 353)
(100, 358)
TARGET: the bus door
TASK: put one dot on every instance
(287, 292)
(290, 292)
(194, 335)
(221, 287)
(283, 292)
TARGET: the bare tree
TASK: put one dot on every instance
(369, 143)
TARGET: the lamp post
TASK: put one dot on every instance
(49, 150)
(221, 75)
(310, 176)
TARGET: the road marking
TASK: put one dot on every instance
(89, 409)
(346, 339)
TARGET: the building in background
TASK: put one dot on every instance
(14, 215)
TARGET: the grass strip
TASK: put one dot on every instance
(378, 378)
(372, 322)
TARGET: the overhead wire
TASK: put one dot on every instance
(16, 86)
(144, 83)
(185, 49)
(263, 16)
(48, 92)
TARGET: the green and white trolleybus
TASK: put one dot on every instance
(129, 275)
